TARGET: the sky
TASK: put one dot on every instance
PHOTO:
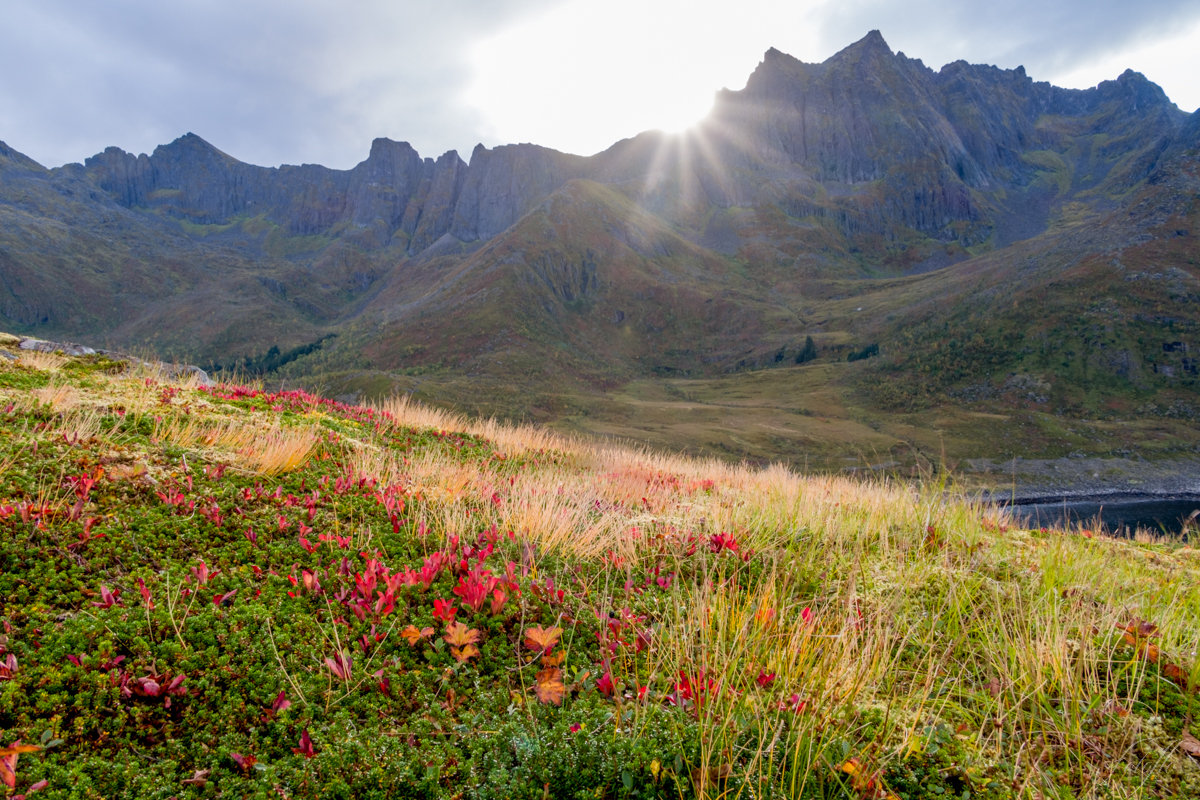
(313, 81)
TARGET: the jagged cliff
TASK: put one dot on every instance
(870, 139)
(970, 220)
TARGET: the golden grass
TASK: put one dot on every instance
(922, 608)
(921, 605)
(508, 438)
(267, 451)
(46, 362)
(78, 424)
(59, 396)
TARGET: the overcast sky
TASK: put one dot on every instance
(312, 81)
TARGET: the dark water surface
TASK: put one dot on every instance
(1158, 514)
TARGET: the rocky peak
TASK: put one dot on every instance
(866, 115)
(1136, 92)
(11, 159)
(871, 46)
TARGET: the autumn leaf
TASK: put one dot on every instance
(245, 762)
(543, 639)
(459, 635)
(413, 635)
(16, 748)
(1190, 745)
(549, 686)
(467, 652)
(1139, 629)
(306, 745)
(1113, 707)
(554, 660)
(199, 778)
(8, 761)
(1177, 674)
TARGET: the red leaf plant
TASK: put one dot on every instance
(444, 610)
(340, 665)
(280, 704)
(201, 574)
(474, 588)
(146, 600)
(722, 541)
(108, 599)
(245, 762)
(306, 745)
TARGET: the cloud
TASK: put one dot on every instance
(1048, 37)
(580, 75)
(290, 81)
(269, 81)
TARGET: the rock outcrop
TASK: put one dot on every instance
(869, 139)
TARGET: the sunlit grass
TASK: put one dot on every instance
(266, 449)
(826, 636)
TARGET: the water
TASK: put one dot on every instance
(1158, 514)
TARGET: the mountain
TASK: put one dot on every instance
(1005, 246)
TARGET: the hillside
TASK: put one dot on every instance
(1001, 250)
(219, 591)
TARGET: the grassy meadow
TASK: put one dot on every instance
(227, 592)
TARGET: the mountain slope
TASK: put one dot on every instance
(1002, 244)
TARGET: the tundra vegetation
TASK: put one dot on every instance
(220, 591)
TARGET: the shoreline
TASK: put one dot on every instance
(1024, 481)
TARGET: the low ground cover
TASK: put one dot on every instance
(221, 591)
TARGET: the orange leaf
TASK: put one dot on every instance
(549, 687)
(470, 651)
(459, 635)
(554, 660)
(850, 767)
(544, 639)
(413, 635)
(1176, 673)
(1141, 628)
(18, 748)
(1113, 707)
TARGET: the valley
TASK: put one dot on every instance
(988, 268)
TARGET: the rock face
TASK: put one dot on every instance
(664, 254)
(869, 139)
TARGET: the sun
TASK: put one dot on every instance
(582, 76)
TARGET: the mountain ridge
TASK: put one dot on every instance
(867, 201)
(422, 199)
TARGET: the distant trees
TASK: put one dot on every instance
(866, 352)
(808, 352)
(272, 360)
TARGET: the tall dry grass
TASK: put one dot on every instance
(921, 608)
(508, 438)
(267, 450)
(46, 362)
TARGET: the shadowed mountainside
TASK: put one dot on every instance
(988, 232)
